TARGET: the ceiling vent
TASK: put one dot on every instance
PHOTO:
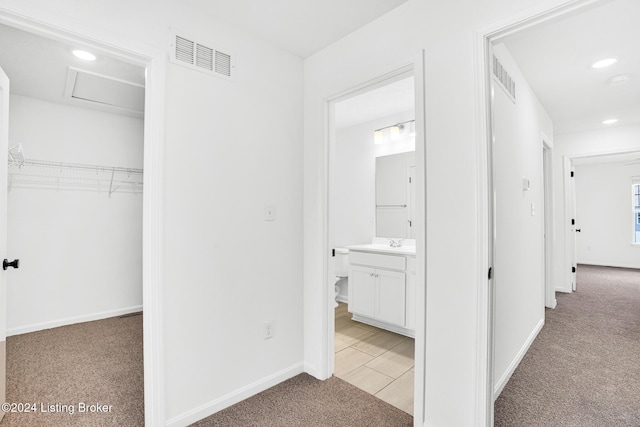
(192, 54)
(504, 79)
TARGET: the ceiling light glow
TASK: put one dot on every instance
(609, 121)
(83, 54)
(604, 63)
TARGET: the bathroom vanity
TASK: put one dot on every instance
(382, 286)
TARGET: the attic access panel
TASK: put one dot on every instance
(104, 91)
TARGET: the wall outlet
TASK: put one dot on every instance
(268, 330)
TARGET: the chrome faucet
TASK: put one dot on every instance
(396, 243)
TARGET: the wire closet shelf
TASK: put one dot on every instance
(30, 173)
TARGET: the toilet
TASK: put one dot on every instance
(341, 270)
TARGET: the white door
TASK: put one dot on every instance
(573, 232)
(4, 147)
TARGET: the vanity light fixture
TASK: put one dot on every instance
(394, 132)
(604, 63)
(609, 121)
(84, 55)
(378, 137)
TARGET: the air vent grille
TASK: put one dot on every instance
(504, 79)
(184, 50)
(190, 53)
(223, 63)
(204, 57)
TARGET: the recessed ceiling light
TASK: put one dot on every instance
(609, 121)
(83, 54)
(619, 80)
(604, 63)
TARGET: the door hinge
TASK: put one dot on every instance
(573, 269)
(572, 174)
(573, 221)
(333, 252)
(409, 223)
(409, 180)
(490, 273)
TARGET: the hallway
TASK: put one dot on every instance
(583, 369)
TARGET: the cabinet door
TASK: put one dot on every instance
(362, 291)
(390, 296)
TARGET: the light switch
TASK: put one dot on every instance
(269, 212)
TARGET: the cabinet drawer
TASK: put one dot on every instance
(377, 260)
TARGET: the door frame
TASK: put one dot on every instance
(415, 68)
(154, 60)
(483, 40)
(570, 258)
(549, 224)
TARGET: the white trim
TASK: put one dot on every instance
(502, 382)
(72, 320)
(485, 226)
(384, 325)
(59, 27)
(549, 222)
(234, 397)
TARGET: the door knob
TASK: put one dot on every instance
(577, 230)
(6, 264)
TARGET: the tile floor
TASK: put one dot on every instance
(377, 361)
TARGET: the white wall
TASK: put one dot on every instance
(353, 197)
(574, 145)
(445, 30)
(230, 148)
(519, 261)
(80, 251)
(604, 216)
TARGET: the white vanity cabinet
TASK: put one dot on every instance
(382, 291)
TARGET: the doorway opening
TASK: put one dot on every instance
(375, 203)
(152, 62)
(371, 222)
(499, 75)
(75, 175)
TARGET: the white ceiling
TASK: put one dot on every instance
(555, 56)
(38, 67)
(382, 102)
(301, 27)
(556, 59)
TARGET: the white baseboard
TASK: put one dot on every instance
(71, 320)
(499, 386)
(311, 370)
(234, 397)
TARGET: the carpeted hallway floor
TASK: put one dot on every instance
(584, 367)
(305, 401)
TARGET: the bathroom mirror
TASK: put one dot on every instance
(395, 195)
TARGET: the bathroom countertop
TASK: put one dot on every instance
(381, 248)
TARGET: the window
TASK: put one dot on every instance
(635, 191)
